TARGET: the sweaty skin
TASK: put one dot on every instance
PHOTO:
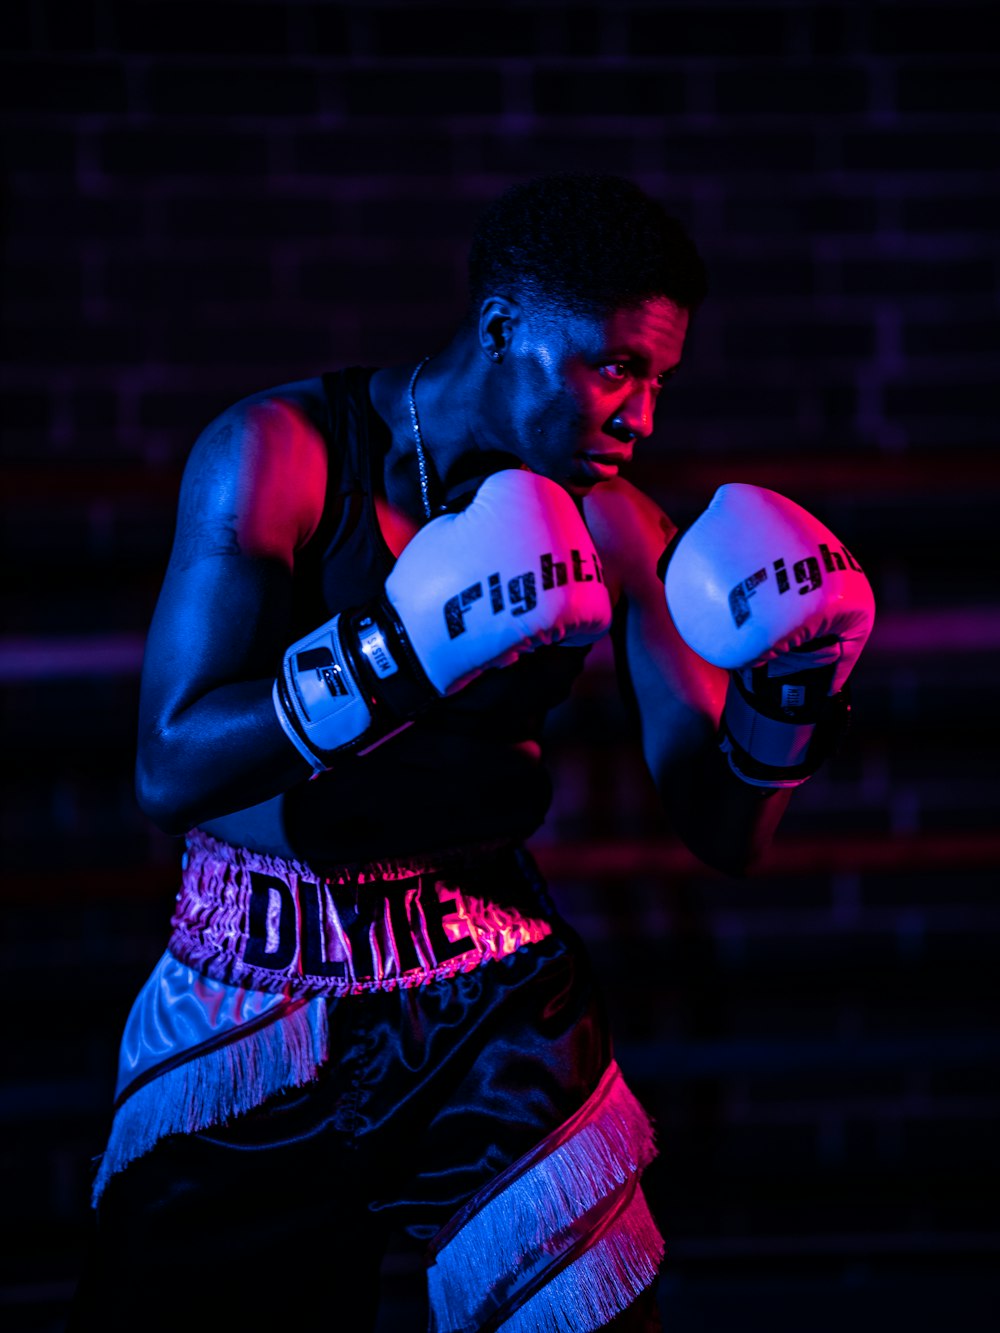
(580, 377)
(548, 403)
(565, 396)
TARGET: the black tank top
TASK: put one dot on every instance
(466, 771)
(347, 559)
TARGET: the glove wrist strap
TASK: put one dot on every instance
(350, 685)
(382, 657)
(317, 697)
(776, 732)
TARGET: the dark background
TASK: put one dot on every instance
(205, 199)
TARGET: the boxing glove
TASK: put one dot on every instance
(761, 587)
(513, 570)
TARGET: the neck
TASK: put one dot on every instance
(453, 393)
(450, 392)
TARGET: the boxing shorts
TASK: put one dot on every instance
(429, 1035)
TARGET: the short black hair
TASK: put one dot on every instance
(585, 242)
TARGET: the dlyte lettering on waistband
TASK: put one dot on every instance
(254, 920)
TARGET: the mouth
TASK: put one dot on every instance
(604, 463)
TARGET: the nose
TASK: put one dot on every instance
(634, 420)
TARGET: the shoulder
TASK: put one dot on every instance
(261, 464)
(274, 429)
(630, 531)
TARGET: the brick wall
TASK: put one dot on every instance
(204, 199)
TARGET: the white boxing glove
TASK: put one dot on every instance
(513, 570)
(760, 586)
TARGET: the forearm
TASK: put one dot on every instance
(761, 588)
(222, 752)
(727, 823)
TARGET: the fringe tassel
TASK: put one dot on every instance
(210, 1089)
(601, 1283)
(518, 1222)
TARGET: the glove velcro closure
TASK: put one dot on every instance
(384, 662)
(350, 685)
(777, 731)
(318, 701)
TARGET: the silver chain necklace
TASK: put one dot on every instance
(419, 441)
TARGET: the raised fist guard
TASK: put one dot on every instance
(759, 586)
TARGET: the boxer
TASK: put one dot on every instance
(370, 1018)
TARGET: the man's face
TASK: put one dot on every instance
(585, 389)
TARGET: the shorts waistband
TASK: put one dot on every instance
(251, 919)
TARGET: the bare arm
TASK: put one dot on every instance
(209, 741)
(678, 696)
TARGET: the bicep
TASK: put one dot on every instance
(677, 695)
(224, 609)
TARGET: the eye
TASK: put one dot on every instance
(614, 370)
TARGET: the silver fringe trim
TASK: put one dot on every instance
(600, 1284)
(211, 1088)
(525, 1257)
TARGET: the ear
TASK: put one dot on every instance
(497, 317)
